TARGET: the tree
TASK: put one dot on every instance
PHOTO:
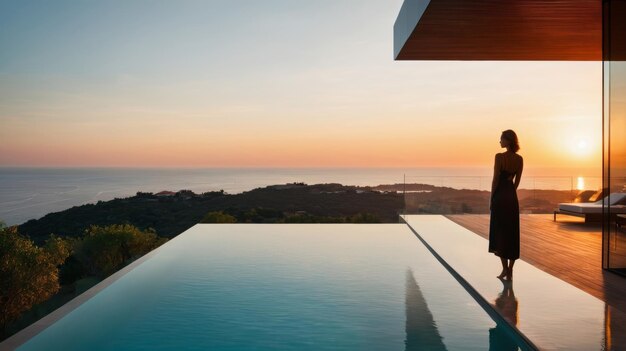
(29, 274)
(104, 250)
(218, 217)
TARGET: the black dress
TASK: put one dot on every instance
(504, 221)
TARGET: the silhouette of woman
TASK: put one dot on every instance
(504, 220)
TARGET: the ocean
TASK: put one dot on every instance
(30, 193)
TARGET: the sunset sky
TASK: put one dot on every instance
(277, 83)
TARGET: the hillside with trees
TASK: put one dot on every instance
(170, 215)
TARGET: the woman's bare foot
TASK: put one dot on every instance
(509, 275)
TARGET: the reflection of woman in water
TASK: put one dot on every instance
(504, 221)
(500, 338)
(506, 303)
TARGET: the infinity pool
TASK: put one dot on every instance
(282, 287)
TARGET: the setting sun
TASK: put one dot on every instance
(583, 148)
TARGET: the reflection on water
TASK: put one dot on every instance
(607, 327)
(421, 330)
(580, 183)
(506, 304)
(614, 330)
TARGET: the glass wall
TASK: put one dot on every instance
(614, 135)
(456, 194)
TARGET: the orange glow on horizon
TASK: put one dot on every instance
(297, 150)
(219, 84)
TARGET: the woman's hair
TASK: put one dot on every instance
(512, 138)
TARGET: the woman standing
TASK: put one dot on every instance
(504, 221)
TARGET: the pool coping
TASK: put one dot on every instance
(552, 313)
(482, 301)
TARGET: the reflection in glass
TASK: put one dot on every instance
(614, 131)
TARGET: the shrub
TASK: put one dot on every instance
(29, 274)
(104, 250)
(218, 217)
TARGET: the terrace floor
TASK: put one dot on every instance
(568, 249)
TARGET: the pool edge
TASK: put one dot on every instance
(23, 336)
(489, 309)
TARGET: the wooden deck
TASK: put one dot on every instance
(568, 249)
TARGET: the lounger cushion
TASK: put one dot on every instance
(616, 200)
(589, 208)
(581, 207)
(613, 199)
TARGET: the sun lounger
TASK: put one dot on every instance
(592, 211)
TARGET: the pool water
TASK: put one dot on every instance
(282, 287)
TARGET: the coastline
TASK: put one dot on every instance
(32, 192)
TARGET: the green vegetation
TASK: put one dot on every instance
(35, 280)
(104, 250)
(28, 274)
(263, 215)
(218, 217)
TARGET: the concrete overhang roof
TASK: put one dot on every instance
(569, 30)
